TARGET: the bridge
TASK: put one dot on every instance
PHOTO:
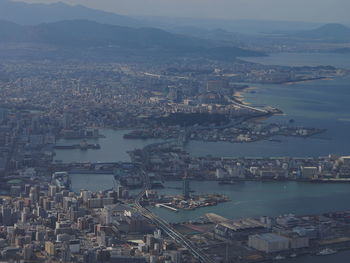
(166, 227)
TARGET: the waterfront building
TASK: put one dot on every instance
(220, 173)
(237, 230)
(297, 242)
(268, 242)
(120, 191)
(346, 160)
(186, 187)
(288, 221)
(309, 172)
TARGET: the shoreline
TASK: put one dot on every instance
(239, 95)
(313, 249)
(238, 180)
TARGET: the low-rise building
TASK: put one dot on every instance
(268, 242)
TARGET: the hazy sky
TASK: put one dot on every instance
(294, 10)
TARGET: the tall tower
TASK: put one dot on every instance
(108, 210)
(186, 187)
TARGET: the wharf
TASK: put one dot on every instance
(77, 146)
(167, 207)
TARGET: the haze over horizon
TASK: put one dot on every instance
(322, 11)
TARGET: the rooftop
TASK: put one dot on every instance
(270, 237)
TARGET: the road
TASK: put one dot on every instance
(241, 105)
(166, 227)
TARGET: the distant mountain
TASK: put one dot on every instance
(10, 31)
(341, 50)
(33, 14)
(242, 26)
(328, 32)
(101, 40)
(218, 35)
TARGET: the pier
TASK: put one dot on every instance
(167, 207)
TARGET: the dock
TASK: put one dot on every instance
(167, 207)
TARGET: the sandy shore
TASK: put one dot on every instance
(239, 95)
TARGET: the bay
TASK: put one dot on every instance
(303, 59)
(114, 148)
(321, 104)
(92, 182)
(340, 257)
(255, 199)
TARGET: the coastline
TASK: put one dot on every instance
(239, 94)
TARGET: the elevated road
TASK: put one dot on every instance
(166, 227)
(241, 105)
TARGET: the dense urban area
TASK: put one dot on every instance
(63, 84)
(44, 220)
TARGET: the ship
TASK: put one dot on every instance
(227, 182)
(231, 181)
(326, 251)
(82, 146)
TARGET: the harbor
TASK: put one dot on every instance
(264, 239)
(176, 203)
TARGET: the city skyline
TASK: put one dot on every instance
(187, 131)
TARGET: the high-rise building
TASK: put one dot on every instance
(66, 121)
(108, 210)
(120, 191)
(175, 94)
(217, 85)
(50, 248)
(6, 216)
(34, 194)
(186, 187)
(27, 252)
(3, 114)
(52, 190)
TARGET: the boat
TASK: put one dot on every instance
(294, 255)
(227, 182)
(326, 251)
(279, 257)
